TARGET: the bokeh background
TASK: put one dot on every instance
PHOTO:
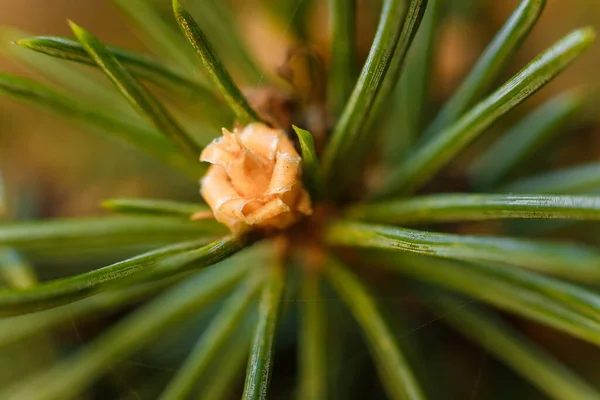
(53, 168)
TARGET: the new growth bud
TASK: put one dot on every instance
(255, 179)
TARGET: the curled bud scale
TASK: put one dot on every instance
(255, 179)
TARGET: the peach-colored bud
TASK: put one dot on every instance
(255, 179)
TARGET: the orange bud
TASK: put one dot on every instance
(255, 179)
